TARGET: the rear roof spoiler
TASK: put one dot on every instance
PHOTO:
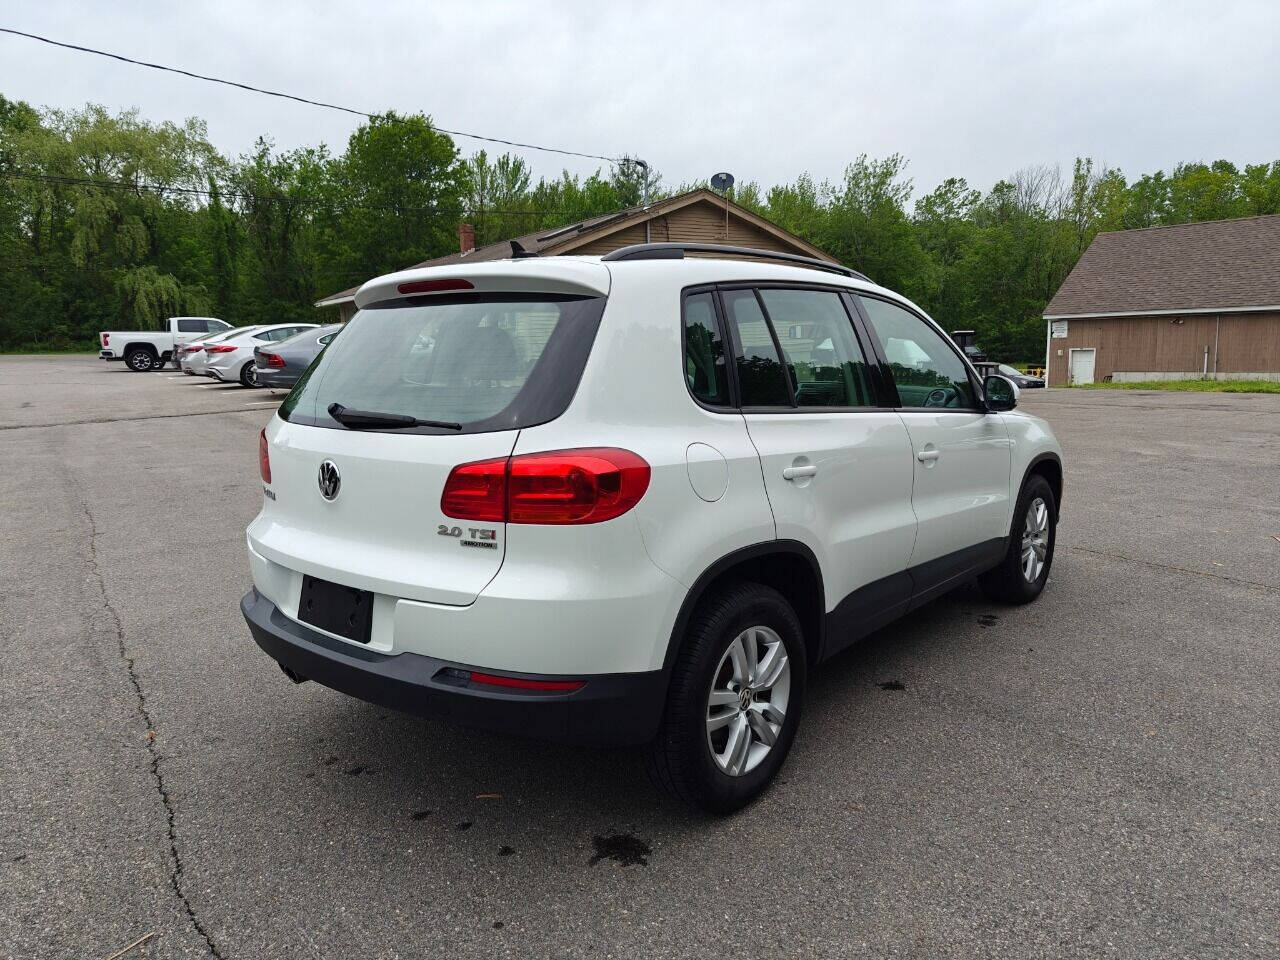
(676, 251)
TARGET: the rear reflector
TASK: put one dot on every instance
(264, 457)
(435, 286)
(220, 348)
(520, 683)
(590, 485)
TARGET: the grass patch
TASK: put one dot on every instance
(1191, 386)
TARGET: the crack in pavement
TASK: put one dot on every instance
(175, 858)
(141, 416)
(1169, 566)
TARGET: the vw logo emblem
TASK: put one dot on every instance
(330, 481)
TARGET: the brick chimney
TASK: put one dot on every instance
(466, 237)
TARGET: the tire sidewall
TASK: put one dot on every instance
(136, 356)
(721, 792)
(247, 376)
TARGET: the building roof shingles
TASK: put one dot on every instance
(1219, 264)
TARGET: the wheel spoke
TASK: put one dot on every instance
(739, 745)
(771, 667)
(720, 698)
(738, 657)
(763, 732)
(720, 721)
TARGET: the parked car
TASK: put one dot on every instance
(280, 365)
(143, 350)
(633, 499)
(231, 359)
(1024, 381)
(191, 355)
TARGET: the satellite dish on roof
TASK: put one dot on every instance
(722, 182)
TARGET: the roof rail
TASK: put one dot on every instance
(676, 251)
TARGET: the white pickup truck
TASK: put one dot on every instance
(143, 350)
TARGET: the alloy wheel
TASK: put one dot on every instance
(747, 701)
(1035, 539)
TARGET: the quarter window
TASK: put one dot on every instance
(760, 372)
(925, 368)
(704, 355)
(827, 367)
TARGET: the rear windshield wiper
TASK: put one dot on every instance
(368, 420)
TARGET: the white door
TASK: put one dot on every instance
(837, 469)
(1082, 364)
(960, 453)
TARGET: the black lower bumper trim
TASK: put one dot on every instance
(615, 708)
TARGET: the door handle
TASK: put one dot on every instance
(928, 456)
(794, 473)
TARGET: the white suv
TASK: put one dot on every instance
(634, 498)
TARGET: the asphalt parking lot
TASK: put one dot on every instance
(1094, 775)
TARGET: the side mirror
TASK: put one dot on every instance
(1001, 393)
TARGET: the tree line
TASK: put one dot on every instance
(113, 221)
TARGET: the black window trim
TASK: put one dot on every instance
(891, 389)
(861, 336)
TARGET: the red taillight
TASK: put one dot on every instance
(264, 457)
(193, 348)
(558, 487)
(435, 286)
(519, 683)
(220, 348)
(106, 339)
(272, 360)
(477, 491)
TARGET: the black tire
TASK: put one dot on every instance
(1009, 582)
(249, 375)
(140, 360)
(680, 759)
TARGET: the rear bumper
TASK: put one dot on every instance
(619, 708)
(272, 377)
(108, 355)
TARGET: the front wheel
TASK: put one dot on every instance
(1024, 571)
(735, 699)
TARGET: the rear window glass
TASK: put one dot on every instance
(760, 373)
(486, 362)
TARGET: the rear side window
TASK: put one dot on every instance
(760, 372)
(705, 367)
(824, 359)
(488, 362)
(194, 325)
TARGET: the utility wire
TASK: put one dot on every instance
(132, 186)
(314, 103)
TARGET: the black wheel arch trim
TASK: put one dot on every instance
(1051, 457)
(756, 551)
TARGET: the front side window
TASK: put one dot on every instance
(824, 359)
(761, 375)
(705, 367)
(497, 362)
(924, 367)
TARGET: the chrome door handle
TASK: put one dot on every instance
(794, 473)
(928, 456)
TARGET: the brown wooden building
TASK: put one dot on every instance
(698, 216)
(1166, 303)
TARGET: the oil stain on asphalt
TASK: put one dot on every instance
(893, 685)
(626, 849)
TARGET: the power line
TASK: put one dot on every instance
(306, 100)
(132, 186)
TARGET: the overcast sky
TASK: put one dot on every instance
(766, 91)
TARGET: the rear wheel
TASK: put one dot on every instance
(734, 702)
(1024, 570)
(249, 375)
(140, 360)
